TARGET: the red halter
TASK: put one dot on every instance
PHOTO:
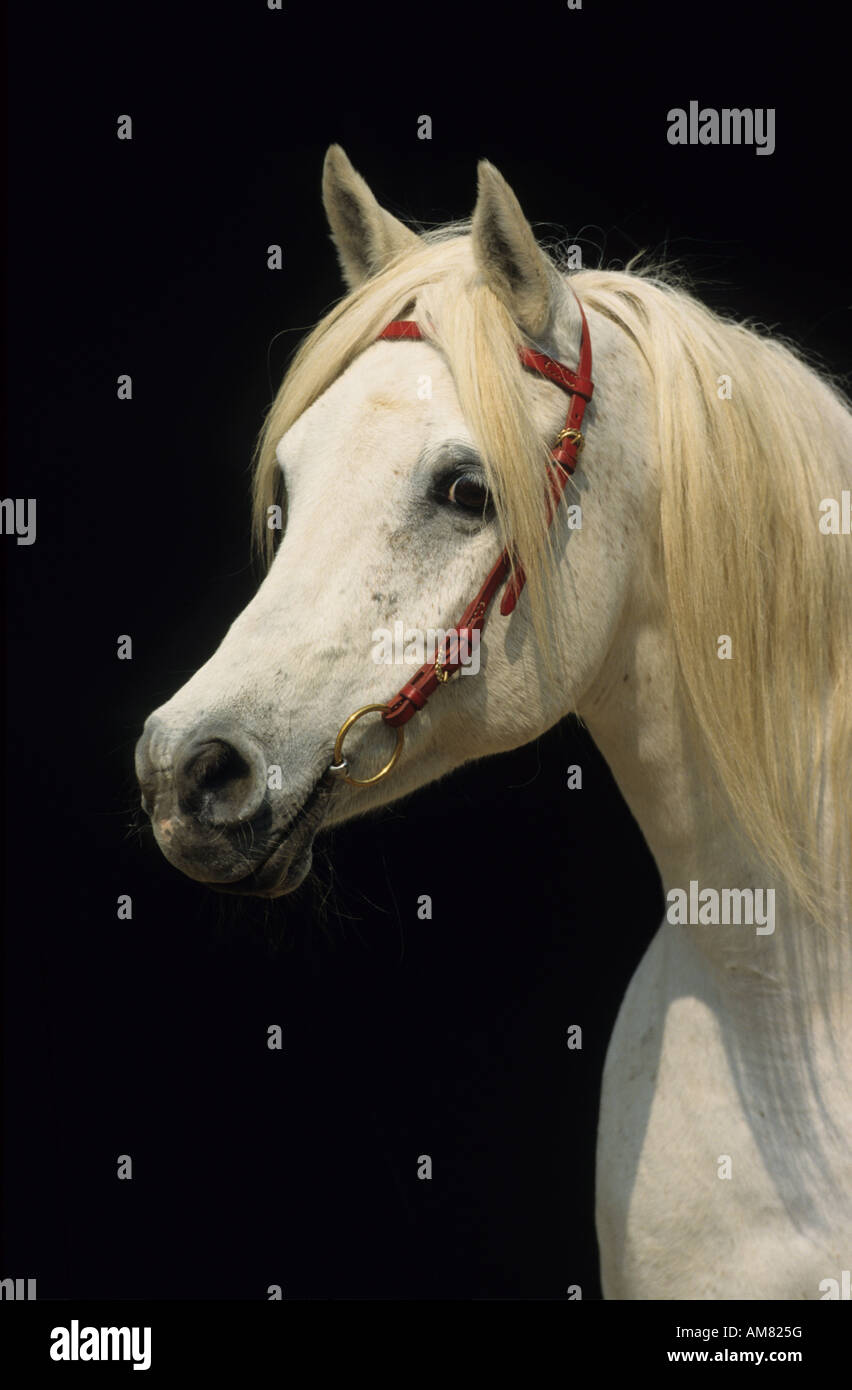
(414, 694)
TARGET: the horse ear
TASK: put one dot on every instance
(366, 237)
(508, 254)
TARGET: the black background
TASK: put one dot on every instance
(402, 1037)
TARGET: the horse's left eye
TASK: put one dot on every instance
(470, 493)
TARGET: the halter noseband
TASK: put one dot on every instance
(565, 453)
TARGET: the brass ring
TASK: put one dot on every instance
(339, 760)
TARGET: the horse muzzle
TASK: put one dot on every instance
(207, 794)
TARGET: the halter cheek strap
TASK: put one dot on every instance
(564, 454)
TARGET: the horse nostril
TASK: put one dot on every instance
(220, 780)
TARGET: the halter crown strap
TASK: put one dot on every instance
(414, 694)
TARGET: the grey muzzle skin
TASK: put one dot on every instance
(206, 795)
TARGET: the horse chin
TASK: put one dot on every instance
(283, 872)
(287, 866)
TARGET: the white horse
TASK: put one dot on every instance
(698, 620)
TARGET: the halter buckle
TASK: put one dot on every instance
(575, 436)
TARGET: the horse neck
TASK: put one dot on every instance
(637, 714)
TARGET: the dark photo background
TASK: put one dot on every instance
(401, 1037)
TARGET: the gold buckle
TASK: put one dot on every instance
(575, 436)
(340, 766)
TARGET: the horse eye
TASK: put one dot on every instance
(470, 493)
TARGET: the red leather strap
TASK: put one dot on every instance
(577, 383)
(566, 451)
(426, 680)
(401, 328)
(557, 373)
(414, 694)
